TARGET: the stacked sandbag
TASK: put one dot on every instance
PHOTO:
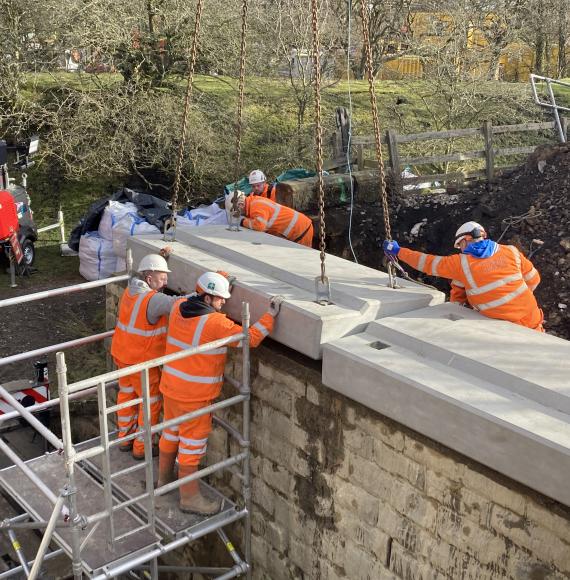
(112, 214)
(130, 224)
(97, 259)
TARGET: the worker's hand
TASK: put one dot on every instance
(391, 247)
(166, 251)
(275, 305)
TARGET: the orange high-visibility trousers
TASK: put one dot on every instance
(189, 439)
(131, 419)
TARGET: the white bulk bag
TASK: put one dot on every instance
(97, 259)
(205, 215)
(112, 214)
(130, 224)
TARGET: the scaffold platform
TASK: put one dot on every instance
(96, 554)
(170, 521)
(101, 507)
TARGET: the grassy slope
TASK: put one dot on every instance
(270, 118)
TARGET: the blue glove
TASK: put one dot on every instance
(391, 247)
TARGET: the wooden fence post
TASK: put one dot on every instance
(564, 123)
(360, 157)
(489, 151)
(392, 141)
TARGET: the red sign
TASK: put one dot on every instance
(26, 397)
(16, 248)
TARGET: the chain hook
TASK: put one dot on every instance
(185, 115)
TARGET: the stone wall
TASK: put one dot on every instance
(340, 491)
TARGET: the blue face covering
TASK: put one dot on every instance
(482, 249)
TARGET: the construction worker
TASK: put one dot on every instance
(259, 185)
(193, 382)
(494, 279)
(269, 216)
(140, 335)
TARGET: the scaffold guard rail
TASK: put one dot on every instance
(90, 502)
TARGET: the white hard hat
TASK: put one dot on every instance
(472, 229)
(256, 176)
(154, 263)
(214, 284)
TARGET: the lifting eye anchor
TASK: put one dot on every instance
(323, 290)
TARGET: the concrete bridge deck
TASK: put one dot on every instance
(494, 391)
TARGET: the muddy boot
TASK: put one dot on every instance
(166, 468)
(191, 500)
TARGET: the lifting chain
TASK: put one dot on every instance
(322, 282)
(235, 217)
(374, 107)
(185, 115)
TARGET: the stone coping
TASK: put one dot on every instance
(494, 391)
(266, 265)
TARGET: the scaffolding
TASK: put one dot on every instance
(91, 503)
(559, 122)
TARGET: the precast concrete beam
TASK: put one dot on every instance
(266, 265)
(494, 391)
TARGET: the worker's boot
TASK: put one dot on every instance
(166, 468)
(127, 446)
(139, 454)
(138, 449)
(191, 500)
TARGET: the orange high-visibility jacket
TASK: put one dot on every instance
(200, 377)
(499, 286)
(269, 192)
(268, 216)
(135, 339)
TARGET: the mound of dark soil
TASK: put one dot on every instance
(529, 207)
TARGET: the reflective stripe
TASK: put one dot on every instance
(494, 285)
(261, 328)
(195, 442)
(126, 390)
(185, 345)
(192, 451)
(532, 287)
(434, 265)
(136, 308)
(422, 262)
(132, 330)
(467, 271)
(191, 378)
(196, 339)
(458, 283)
(170, 437)
(291, 224)
(154, 399)
(126, 418)
(516, 255)
(198, 331)
(274, 216)
(263, 221)
(504, 300)
(530, 275)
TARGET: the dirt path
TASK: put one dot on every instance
(37, 324)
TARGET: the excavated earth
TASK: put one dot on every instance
(529, 207)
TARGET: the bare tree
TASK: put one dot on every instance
(289, 42)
